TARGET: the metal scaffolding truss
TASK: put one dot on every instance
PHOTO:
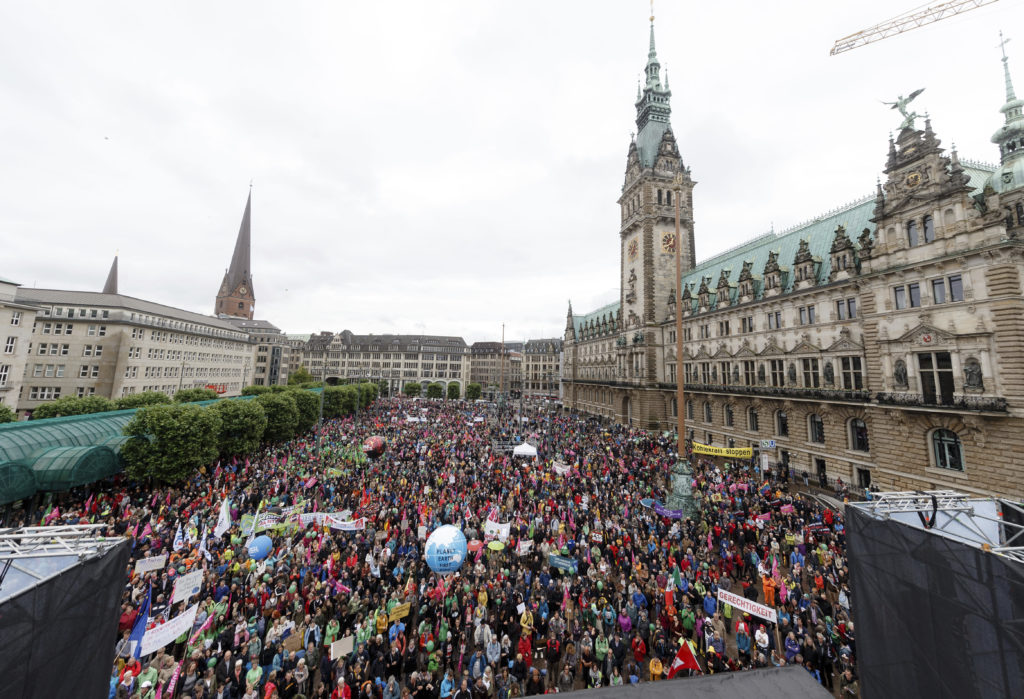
(40, 542)
(965, 518)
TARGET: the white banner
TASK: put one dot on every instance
(223, 519)
(310, 517)
(525, 546)
(494, 530)
(745, 605)
(560, 468)
(151, 563)
(187, 586)
(349, 526)
(159, 636)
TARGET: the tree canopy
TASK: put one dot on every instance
(171, 441)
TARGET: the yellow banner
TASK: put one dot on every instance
(399, 612)
(732, 453)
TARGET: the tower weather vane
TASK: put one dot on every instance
(901, 104)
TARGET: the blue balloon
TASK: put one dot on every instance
(260, 547)
(446, 549)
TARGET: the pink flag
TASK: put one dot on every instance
(167, 501)
(88, 505)
(53, 515)
(152, 503)
(147, 530)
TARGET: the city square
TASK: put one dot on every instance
(786, 464)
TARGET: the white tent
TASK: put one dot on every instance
(525, 450)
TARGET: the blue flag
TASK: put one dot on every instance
(139, 628)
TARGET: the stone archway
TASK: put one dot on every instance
(627, 411)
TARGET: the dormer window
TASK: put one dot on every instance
(745, 289)
(771, 281)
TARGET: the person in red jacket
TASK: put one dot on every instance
(639, 649)
(525, 649)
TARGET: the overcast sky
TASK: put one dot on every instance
(440, 167)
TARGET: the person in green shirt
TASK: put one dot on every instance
(689, 621)
(253, 677)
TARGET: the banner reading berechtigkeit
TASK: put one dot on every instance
(159, 636)
(745, 605)
(729, 452)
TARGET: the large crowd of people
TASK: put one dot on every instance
(587, 584)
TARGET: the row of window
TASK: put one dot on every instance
(68, 328)
(944, 290)
(752, 373)
(857, 431)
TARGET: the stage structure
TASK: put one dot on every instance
(60, 593)
(938, 595)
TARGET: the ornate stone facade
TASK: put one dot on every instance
(882, 342)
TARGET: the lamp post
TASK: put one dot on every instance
(680, 496)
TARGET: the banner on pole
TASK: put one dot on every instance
(266, 520)
(345, 526)
(562, 563)
(665, 512)
(745, 605)
(342, 647)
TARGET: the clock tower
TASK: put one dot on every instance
(235, 298)
(648, 206)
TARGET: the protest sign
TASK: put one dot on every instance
(345, 526)
(524, 547)
(786, 509)
(421, 532)
(187, 586)
(152, 563)
(729, 452)
(562, 563)
(266, 520)
(159, 636)
(399, 612)
(665, 512)
(560, 468)
(342, 647)
(494, 530)
(746, 606)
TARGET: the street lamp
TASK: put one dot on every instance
(680, 495)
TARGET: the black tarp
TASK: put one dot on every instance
(934, 617)
(57, 638)
(790, 682)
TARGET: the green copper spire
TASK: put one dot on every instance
(1010, 137)
(652, 108)
(1010, 96)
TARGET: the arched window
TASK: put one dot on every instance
(689, 410)
(816, 429)
(858, 435)
(752, 420)
(929, 229)
(668, 197)
(659, 197)
(912, 240)
(947, 450)
(781, 423)
(707, 411)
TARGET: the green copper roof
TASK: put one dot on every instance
(604, 312)
(819, 234)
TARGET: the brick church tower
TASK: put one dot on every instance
(236, 297)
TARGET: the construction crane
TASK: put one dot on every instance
(912, 19)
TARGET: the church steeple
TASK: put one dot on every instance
(652, 108)
(236, 297)
(110, 287)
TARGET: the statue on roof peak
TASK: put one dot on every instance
(901, 104)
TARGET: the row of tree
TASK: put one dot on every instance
(74, 405)
(170, 442)
(437, 390)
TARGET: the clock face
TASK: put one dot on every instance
(633, 248)
(913, 179)
(668, 242)
(243, 290)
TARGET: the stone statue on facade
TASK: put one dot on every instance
(972, 375)
(830, 374)
(899, 373)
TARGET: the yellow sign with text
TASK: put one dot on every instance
(731, 453)
(399, 612)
